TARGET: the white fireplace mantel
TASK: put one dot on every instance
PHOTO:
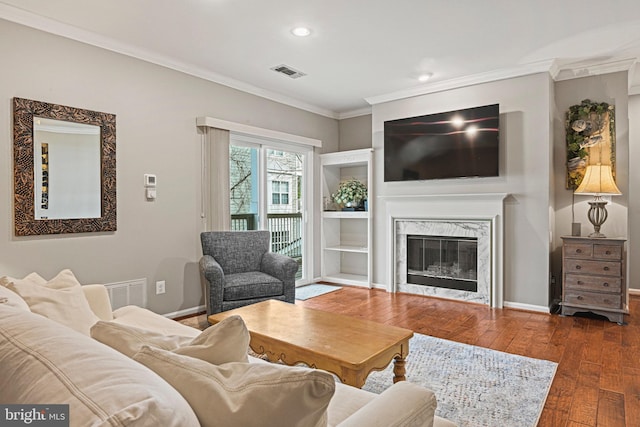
(456, 208)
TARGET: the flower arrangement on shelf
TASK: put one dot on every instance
(350, 193)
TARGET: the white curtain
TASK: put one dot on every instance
(215, 195)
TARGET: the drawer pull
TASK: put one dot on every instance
(605, 284)
(580, 297)
(578, 251)
(608, 252)
(578, 267)
(606, 268)
(579, 282)
(607, 301)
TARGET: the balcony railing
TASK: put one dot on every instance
(286, 233)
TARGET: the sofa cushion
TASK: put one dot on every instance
(98, 298)
(245, 394)
(224, 342)
(148, 320)
(227, 341)
(60, 299)
(253, 284)
(42, 362)
(12, 299)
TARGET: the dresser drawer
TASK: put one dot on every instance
(604, 268)
(607, 252)
(592, 299)
(578, 250)
(593, 283)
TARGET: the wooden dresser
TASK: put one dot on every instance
(593, 277)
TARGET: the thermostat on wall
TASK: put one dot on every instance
(149, 180)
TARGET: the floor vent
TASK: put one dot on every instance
(131, 292)
(288, 71)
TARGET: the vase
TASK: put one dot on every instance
(349, 206)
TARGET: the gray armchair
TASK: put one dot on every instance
(238, 269)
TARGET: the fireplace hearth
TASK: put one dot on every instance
(448, 262)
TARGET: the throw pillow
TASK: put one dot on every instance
(60, 299)
(227, 341)
(245, 394)
(32, 277)
(128, 340)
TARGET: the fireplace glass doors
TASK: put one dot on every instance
(444, 262)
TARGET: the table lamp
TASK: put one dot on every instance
(598, 181)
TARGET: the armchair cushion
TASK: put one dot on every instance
(253, 284)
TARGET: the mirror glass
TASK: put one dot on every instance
(64, 169)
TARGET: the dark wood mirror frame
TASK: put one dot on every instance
(25, 223)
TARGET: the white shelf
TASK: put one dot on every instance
(346, 214)
(348, 248)
(346, 235)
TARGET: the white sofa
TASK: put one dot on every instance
(45, 362)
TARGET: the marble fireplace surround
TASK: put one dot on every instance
(460, 215)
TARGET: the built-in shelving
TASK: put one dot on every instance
(346, 235)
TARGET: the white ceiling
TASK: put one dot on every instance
(360, 51)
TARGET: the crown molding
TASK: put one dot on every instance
(557, 72)
(475, 79)
(589, 68)
(28, 19)
(366, 111)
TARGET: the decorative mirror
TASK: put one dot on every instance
(64, 169)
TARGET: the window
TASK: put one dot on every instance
(279, 193)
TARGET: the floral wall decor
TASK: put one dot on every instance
(590, 129)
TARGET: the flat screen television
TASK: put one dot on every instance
(455, 144)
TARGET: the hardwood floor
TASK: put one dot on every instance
(598, 378)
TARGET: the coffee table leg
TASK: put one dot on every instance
(398, 369)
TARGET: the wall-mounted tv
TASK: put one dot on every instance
(455, 144)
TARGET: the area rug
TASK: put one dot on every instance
(475, 386)
(310, 291)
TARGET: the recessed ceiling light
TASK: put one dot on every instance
(301, 31)
(424, 77)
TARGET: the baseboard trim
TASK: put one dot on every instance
(634, 292)
(527, 307)
(186, 312)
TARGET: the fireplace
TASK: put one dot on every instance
(466, 218)
(448, 262)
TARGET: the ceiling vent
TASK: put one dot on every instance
(288, 71)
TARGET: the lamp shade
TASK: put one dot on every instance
(598, 180)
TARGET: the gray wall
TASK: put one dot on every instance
(155, 111)
(624, 212)
(355, 133)
(610, 88)
(525, 174)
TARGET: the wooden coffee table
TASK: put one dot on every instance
(349, 347)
